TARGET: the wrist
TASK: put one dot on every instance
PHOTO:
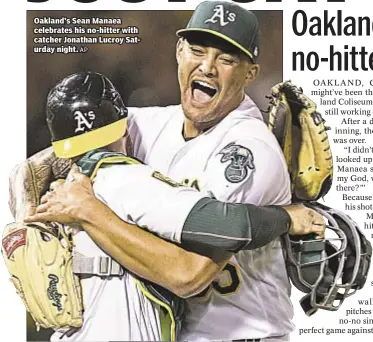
(286, 210)
(89, 210)
(282, 217)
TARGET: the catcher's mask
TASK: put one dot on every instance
(328, 269)
(84, 112)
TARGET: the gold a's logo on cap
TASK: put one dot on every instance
(224, 17)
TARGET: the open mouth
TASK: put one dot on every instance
(202, 91)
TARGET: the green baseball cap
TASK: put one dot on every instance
(228, 21)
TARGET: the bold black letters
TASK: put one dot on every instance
(304, 22)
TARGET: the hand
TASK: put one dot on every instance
(305, 220)
(66, 202)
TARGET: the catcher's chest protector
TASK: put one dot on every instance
(172, 307)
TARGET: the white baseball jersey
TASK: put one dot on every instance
(115, 308)
(238, 160)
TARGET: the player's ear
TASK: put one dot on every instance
(251, 73)
(179, 48)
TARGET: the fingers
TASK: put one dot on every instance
(305, 220)
(72, 174)
(46, 197)
(318, 225)
(315, 217)
(55, 185)
(42, 208)
(36, 217)
(44, 217)
(53, 189)
(75, 168)
(76, 171)
(320, 232)
(44, 213)
(75, 175)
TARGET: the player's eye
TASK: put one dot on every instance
(227, 60)
(198, 51)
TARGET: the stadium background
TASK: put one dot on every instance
(145, 74)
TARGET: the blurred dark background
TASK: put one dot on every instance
(145, 73)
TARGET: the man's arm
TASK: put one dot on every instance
(236, 227)
(183, 272)
(184, 215)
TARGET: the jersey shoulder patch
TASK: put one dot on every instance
(239, 160)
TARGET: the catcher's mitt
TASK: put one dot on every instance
(30, 180)
(39, 260)
(301, 132)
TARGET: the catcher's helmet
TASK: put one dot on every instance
(84, 112)
(328, 269)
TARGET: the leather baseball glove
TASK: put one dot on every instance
(39, 260)
(301, 132)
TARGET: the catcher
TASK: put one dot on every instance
(104, 283)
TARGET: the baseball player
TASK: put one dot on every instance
(131, 309)
(217, 142)
(89, 100)
(116, 305)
